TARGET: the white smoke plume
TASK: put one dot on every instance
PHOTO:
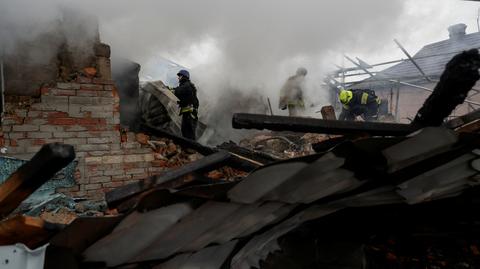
(249, 45)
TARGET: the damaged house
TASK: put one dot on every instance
(407, 83)
(375, 195)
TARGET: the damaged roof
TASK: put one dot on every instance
(432, 59)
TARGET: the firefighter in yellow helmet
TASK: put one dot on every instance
(359, 102)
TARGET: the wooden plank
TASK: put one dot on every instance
(205, 164)
(462, 120)
(31, 231)
(49, 160)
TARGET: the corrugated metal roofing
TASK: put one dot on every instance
(431, 58)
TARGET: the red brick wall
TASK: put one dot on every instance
(85, 114)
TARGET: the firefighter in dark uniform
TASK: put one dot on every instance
(362, 103)
(188, 103)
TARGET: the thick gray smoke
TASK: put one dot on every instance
(249, 45)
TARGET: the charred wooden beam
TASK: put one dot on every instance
(31, 231)
(205, 164)
(463, 120)
(250, 154)
(309, 125)
(49, 160)
(459, 77)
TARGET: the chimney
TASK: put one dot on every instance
(457, 31)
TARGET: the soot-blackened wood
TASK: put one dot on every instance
(310, 125)
(49, 160)
(460, 75)
(247, 153)
(205, 164)
(463, 120)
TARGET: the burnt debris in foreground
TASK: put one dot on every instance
(374, 195)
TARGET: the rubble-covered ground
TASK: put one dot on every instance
(283, 145)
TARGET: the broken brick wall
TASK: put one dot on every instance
(84, 114)
(72, 99)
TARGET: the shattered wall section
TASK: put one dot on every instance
(85, 114)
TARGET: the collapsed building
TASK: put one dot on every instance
(350, 195)
(408, 82)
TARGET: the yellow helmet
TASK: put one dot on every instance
(345, 96)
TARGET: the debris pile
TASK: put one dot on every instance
(283, 145)
(283, 200)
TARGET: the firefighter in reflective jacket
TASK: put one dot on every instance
(188, 103)
(362, 103)
(291, 94)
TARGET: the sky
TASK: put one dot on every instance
(250, 46)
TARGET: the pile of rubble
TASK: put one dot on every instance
(375, 195)
(283, 145)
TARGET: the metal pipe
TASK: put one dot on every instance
(404, 83)
(412, 60)
(401, 60)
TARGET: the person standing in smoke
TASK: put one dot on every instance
(291, 94)
(188, 103)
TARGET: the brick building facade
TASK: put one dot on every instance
(77, 105)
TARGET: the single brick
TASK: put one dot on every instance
(56, 114)
(49, 128)
(70, 86)
(100, 179)
(99, 153)
(75, 141)
(20, 112)
(148, 157)
(35, 121)
(95, 147)
(79, 100)
(103, 81)
(94, 186)
(25, 128)
(91, 87)
(121, 178)
(114, 172)
(55, 100)
(96, 108)
(136, 171)
(65, 134)
(112, 159)
(62, 92)
(75, 128)
(39, 135)
(33, 149)
(107, 93)
(17, 135)
(102, 140)
(106, 115)
(84, 80)
(87, 93)
(133, 158)
(62, 121)
(90, 160)
(115, 184)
